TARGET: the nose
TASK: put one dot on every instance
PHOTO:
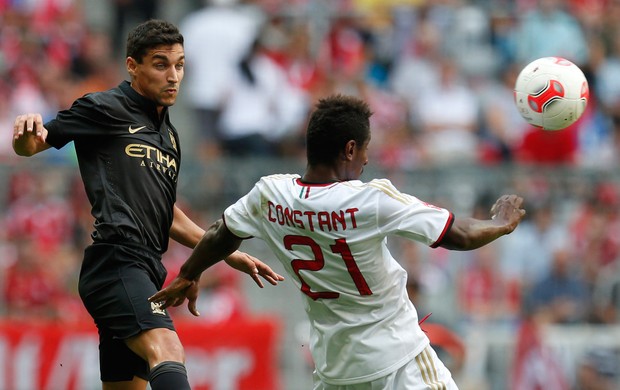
(173, 76)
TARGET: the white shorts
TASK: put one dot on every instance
(424, 372)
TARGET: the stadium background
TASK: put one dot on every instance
(438, 76)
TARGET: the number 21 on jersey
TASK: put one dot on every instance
(340, 247)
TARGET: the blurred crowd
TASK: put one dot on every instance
(438, 76)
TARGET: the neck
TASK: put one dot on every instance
(320, 175)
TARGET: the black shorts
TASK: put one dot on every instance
(115, 284)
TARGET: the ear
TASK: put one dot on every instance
(131, 66)
(349, 150)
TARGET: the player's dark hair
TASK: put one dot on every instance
(336, 120)
(151, 34)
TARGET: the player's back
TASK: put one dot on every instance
(331, 239)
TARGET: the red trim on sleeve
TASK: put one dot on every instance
(445, 230)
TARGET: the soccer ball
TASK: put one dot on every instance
(551, 93)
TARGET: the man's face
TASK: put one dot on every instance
(159, 76)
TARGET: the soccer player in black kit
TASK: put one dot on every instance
(129, 158)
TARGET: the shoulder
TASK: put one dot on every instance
(375, 185)
(100, 99)
(382, 185)
(386, 190)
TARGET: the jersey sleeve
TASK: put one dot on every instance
(407, 216)
(84, 118)
(243, 217)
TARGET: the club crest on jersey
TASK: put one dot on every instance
(173, 140)
(156, 308)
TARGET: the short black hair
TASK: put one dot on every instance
(336, 120)
(151, 34)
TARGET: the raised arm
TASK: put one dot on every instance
(29, 135)
(472, 233)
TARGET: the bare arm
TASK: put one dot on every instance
(29, 135)
(216, 244)
(472, 233)
(185, 231)
(188, 233)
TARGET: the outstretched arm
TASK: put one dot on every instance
(188, 233)
(29, 135)
(472, 233)
(216, 244)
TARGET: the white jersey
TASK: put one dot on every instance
(331, 240)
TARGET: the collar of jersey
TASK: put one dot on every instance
(302, 183)
(147, 105)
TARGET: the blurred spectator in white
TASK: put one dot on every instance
(260, 108)
(550, 30)
(527, 254)
(504, 127)
(288, 40)
(393, 145)
(449, 116)
(217, 37)
(416, 71)
(299, 55)
(468, 40)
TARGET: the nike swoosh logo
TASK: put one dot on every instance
(131, 131)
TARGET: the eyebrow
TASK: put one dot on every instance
(163, 57)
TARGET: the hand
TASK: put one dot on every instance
(29, 125)
(252, 266)
(176, 293)
(507, 209)
(29, 135)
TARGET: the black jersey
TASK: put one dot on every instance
(129, 159)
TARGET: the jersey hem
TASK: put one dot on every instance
(379, 374)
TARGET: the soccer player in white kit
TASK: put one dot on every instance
(329, 230)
